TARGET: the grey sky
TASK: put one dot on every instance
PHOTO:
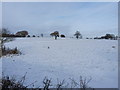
(90, 18)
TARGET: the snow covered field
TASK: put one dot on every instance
(64, 59)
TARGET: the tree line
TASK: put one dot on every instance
(108, 36)
(6, 33)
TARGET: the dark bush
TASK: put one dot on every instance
(33, 36)
(12, 83)
(108, 36)
(28, 36)
(63, 36)
(95, 37)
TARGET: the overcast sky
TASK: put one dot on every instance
(90, 18)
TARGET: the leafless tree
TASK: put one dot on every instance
(84, 82)
(60, 84)
(47, 83)
(73, 83)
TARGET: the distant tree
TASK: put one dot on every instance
(55, 34)
(41, 35)
(5, 31)
(108, 36)
(63, 36)
(78, 34)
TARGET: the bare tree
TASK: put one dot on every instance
(47, 83)
(73, 83)
(60, 84)
(84, 82)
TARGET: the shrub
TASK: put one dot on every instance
(8, 51)
(63, 36)
(33, 35)
(12, 83)
(28, 36)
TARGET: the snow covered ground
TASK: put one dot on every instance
(64, 59)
